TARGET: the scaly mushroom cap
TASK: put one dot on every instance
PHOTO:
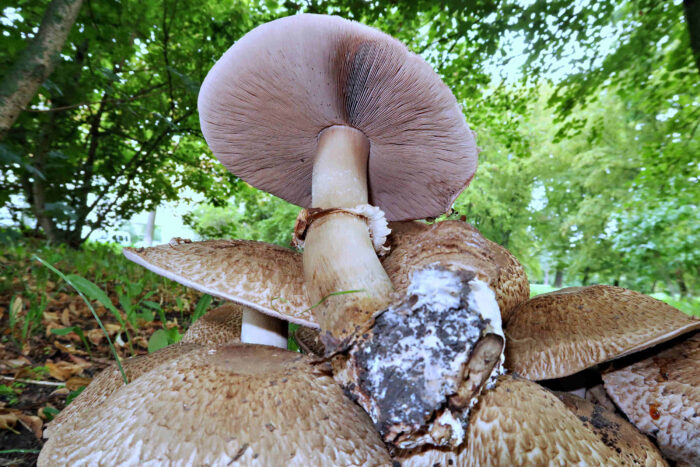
(264, 277)
(222, 325)
(241, 403)
(661, 395)
(521, 423)
(563, 332)
(416, 244)
(264, 103)
(110, 379)
(614, 431)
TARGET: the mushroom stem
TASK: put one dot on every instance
(259, 328)
(338, 253)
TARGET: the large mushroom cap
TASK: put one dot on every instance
(264, 277)
(521, 423)
(661, 395)
(264, 103)
(110, 379)
(239, 404)
(561, 333)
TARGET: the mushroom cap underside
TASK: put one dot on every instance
(264, 103)
(239, 403)
(561, 333)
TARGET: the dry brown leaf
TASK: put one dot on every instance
(17, 362)
(60, 392)
(50, 317)
(69, 348)
(63, 370)
(8, 420)
(77, 382)
(65, 317)
(112, 328)
(43, 415)
(95, 336)
(80, 361)
(32, 423)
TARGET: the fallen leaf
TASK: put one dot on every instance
(65, 318)
(80, 361)
(77, 382)
(16, 306)
(63, 370)
(112, 328)
(32, 423)
(69, 349)
(60, 392)
(18, 362)
(95, 336)
(8, 420)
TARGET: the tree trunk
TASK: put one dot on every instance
(559, 278)
(150, 227)
(682, 286)
(692, 19)
(586, 272)
(36, 62)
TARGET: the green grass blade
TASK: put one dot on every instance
(94, 314)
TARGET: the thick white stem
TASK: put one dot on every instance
(259, 328)
(338, 253)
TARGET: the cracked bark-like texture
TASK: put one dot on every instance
(456, 244)
(37, 61)
(564, 332)
(417, 370)
(238, 404)
(661, 396)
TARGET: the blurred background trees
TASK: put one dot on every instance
(587, 114)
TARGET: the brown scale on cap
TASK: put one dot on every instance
(417, 244)
(661, 396)
(238, 404)
(264, 103)
(614, 431)
(221, 325)
(563, 332)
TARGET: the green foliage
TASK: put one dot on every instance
(249, 215)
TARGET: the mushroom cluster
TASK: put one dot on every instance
(416, 324)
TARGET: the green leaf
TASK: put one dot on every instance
(201, 307)
(157, 341)
(95, 293)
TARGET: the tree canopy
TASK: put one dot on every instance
(589, 166)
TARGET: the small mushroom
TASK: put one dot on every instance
(336, 116)
(263, 277)
(239, 403)
(661, 396)
(563, 332)
(222, 325)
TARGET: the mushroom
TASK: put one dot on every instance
(267, 281)
(338, 117)
(519, 423)
(661, 395)
(456, 324)
(564, 332)
(219, 326)
(237, 403)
